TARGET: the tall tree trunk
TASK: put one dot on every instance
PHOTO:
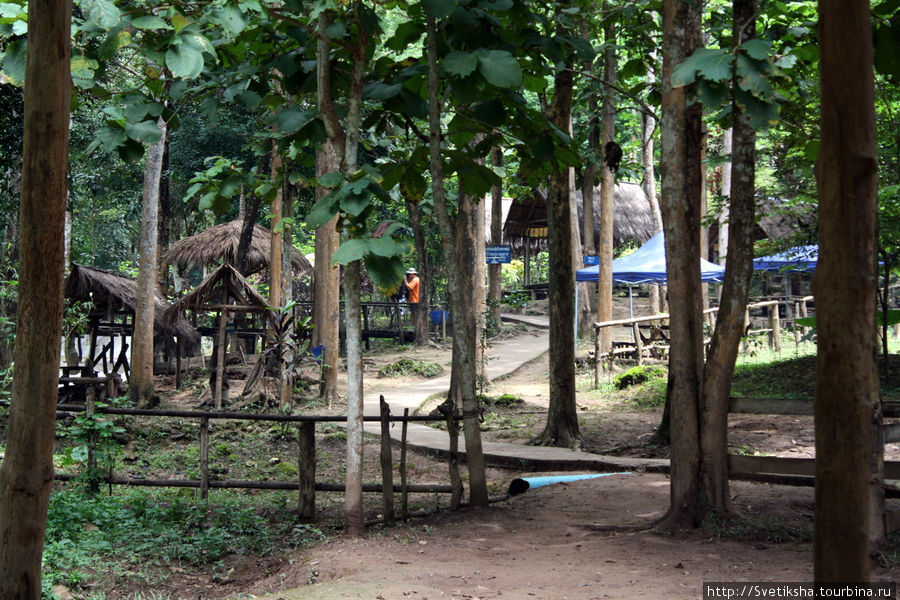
(562, 418)
(847, 418)
(463, 354)
(607, 195)
(735, 292)
(648, 129)
(286, 388)
(26, 474)
(164, 235)
(727, 146)
(420, 317)
(141, 384)
(275, 262)
(681, 187)
(495, 271)
(326, 282)
(479, 285)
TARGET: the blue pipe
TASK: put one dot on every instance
(523, 484)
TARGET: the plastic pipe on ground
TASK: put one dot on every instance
(523, 484)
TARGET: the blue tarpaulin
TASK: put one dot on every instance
(647, 264)
(801, 259)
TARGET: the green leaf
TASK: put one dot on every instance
(406, 34)
(292, 120)
(231, 18)
(887, 48)
(757, 48)
(499, 68)
(114, 42)
(14, 62)
(439, 9)
(184, 61)
(101, 13)
(461, 63)
(350, 251)
(385, 246)
(380, 90)
(330, 180)
(355, 204)
(112, 136)
(385, 272)
(131, 151)
(147, 132)
(491, 112)
(496, 5)
(713, 64)
(762, 114)
(336, 30)
(150, 22)
(806, 321)
(322, 211)
(893, 317)
(249, 98)
(713, 95)
(179, 22)
(752, 78)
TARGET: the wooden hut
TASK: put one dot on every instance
(113, 301)
(240, 310)
(219, 244)
(525, 228)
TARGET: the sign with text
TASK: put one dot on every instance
(591, 259)
(495, 255)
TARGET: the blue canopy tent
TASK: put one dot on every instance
(647, 264)
(801, 259)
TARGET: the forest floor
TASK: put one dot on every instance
(578, 540)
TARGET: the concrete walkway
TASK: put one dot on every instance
(504, 358)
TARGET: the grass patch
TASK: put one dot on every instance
(406, 367)
(761, 527)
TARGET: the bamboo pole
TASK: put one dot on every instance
(387, 468)
(94, 480)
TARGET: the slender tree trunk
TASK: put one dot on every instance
(727, 145)
(26, 474)
(141, 384)
(735, 293)
(681, 183)
(276, 297)
(420, 318)
(463, 353)
(562, 418)
(607, 196)
(326, 282)
(847, 418)
(648, 129)
(495, 271)
(286, 389)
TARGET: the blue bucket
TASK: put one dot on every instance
(439, 316)
(318, 352)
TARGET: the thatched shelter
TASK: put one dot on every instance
(241, 311)
(219, 244)
(113, 301)
(526, 223)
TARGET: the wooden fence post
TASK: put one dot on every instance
(94, 479)
(638, 344)
(387, 463)
(306, 498)
(204, 457)
(404, 487)
(775, 326)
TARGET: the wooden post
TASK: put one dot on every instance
(746, 343)
(94, 479)
(638, 344)
(204, 457)
(306, 500)
(775, 326)
(365, 316)
(797, 327)
(598, 365)
(220, 361)
(178, 363)
(404, 487)
(387, 463)
(455, 479)
(804, 312)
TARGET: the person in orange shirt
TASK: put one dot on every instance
(412, 289)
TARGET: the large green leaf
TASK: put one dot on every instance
(331, 180)
(83, 69)
(355, 204)
(379, 90)
(887, 48)
(385, 272)
(322, 211)
(405, 35)
(293, 120)
(230, 18)
(499, 68)
(150, 22)
(112, 136)
(147, 132)
(14, 62)
(762, 114)
(461, 63)
(491, 112)
(102, 14)
(115, 41)
(752, 78)
(184, 61)
(350, 251)
(439, 9)
(757, 48)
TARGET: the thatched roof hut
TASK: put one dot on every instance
(526, 223)
(219, 244)
(113, 294)
(211, 294)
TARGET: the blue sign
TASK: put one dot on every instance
(591, 259)
(495, 255)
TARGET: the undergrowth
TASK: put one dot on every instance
(405, 367)
(759, 527)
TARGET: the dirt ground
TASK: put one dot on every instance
(588, 539)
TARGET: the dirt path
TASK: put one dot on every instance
(580, 540)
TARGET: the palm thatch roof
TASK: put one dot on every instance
(219, 244)
(526, 223)
(111, 294)
(210, 295)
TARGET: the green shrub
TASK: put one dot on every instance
(637, 375)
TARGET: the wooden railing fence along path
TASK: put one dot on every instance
(306, 484)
